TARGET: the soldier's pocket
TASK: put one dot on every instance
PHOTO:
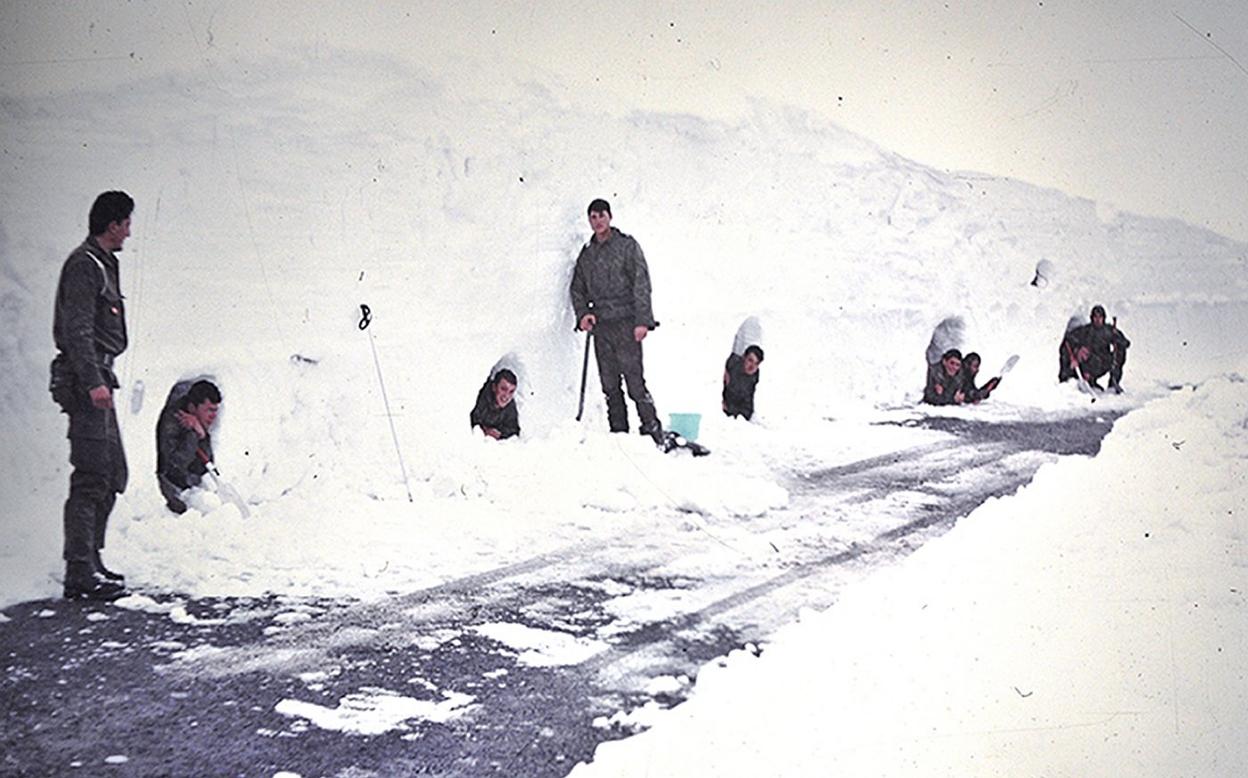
(62, 384)
(91, 455)
(86, 421)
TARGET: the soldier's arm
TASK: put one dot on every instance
(476, 418)
(579, 290)
(931, 394)
(510, 423)
(79, 289)
(177, 449)
(643, 313)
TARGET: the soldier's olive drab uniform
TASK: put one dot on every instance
(1107, 352)
(949, 384)
(612, 281)
(178, 463)
(739, 391)
(975, 394)
(89, 328)
(486, 413)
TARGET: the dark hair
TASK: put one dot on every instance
(953, 352)
(971, 357)
(600, 205)
(109, 207)
(505, 374)
(755, 350)
(1098, 309)
(200, 391)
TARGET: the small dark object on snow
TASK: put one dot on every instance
(672, 441)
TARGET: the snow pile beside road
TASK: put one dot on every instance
(1091, 625)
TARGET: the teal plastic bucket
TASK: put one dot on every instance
(685, 424)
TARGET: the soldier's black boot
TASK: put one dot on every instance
(82, 583)
(655, 431)
(104, 571)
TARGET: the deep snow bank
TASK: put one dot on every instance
(1091, 625)
(275, 196)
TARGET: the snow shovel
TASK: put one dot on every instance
(1084, 386)
(223, 487)
(993, 383)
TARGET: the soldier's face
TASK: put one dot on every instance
(1098, 320)
(600, 222)
(206, 412)
(952, 365)
(504, 390)
(750, 364)
(117, 233)
(972, 367)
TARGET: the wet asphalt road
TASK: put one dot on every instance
(198, 695)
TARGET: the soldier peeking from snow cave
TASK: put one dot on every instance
(611, 297)
(945, 380)
(495, 412)
(741, 376)
(184, 439)
(1092, 350)
(970, 369)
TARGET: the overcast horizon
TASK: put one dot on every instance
(1136, 105)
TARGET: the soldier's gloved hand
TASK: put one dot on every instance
(101, 397)
(640, 332)
(1083, 353)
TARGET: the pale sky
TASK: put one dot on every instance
(1141, 105)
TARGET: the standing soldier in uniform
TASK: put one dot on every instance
(89, 327)
(611, 298)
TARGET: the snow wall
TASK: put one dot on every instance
(277, 196)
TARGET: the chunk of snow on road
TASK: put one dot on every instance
(372, 711)
(541, 647)
(294, 617)
(631, 721)
(665, 684)
(141, 602)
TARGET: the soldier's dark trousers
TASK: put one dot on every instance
(619, 356)
(99, 475)
(1096, 366)
(1100, 364)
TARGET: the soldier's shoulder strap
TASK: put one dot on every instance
(103, 273)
